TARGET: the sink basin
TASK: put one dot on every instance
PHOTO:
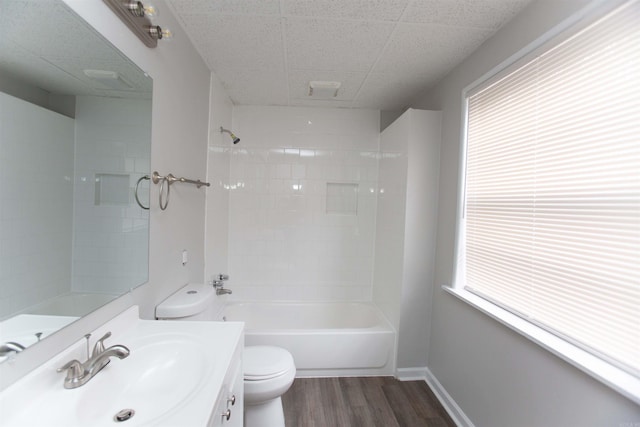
(173, 373)
(156, 378)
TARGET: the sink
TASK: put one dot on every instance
(156, 378)
(172, 366)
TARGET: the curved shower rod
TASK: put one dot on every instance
(156, 177)
(169, 179)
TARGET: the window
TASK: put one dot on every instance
(550, 226)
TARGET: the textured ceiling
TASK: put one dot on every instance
(384, 52)
(46, 45)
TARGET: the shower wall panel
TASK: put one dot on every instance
(284, 244)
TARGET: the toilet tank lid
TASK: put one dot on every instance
(190, 300)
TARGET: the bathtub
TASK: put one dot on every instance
(325, 339)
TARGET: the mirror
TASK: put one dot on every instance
(75, 139)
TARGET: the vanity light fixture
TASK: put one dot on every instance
(137, 16)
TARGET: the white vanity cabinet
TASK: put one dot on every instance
(229, 408)
(176, 374)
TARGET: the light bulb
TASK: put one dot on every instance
(151, 11)
(160, 34)
(137, 8)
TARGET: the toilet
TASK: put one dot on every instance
(268, 371)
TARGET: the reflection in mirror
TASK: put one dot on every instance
(75, 137)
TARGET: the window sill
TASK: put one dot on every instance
(614, 377)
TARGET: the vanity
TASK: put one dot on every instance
(175, 374)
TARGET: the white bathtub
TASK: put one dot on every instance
(325, 339)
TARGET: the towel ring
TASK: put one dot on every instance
(160, 195)
(147, 177)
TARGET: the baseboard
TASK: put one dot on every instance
(412, 374)
(450, 405)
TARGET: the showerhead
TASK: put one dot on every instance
(233, 137)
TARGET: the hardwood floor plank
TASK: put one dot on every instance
(362, 402)
(379, 407)
(400, 403)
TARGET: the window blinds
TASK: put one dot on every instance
(552, 189)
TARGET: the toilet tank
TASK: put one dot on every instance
(195, 301)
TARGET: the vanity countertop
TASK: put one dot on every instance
(172, 377)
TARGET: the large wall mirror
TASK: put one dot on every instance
(75, 139)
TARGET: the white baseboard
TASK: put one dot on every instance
(450, 405)
(412, 374)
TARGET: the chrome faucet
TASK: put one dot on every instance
(219, 284)
(6, 348)
(78, 374)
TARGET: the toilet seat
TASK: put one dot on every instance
(266, 362)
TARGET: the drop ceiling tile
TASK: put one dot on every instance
(57, 31)
(320, 44)
(231, 7)
(299, 83)
(465, 13)
(376, 10)
(428, 48)
(254, 86)
(237, 41)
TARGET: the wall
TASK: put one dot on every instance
(36, 164)
(218, 169)
(288, 239)
(497, 377)
(113, 138)
(180, 114)
(406, 232)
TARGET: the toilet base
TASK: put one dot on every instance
(265, 414)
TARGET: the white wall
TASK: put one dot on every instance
(36, 164)
(179, 145)
(218, 169)
(283, 242)
(406, 231)
(497, 377)
(112, 138)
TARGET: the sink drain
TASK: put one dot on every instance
(124, 415)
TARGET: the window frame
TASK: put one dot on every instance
(589, 362)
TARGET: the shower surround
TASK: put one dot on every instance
(302, 203)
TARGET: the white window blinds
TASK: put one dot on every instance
(551, 226)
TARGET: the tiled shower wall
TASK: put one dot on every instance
(302, 203)
(36, 169)
(111, 232)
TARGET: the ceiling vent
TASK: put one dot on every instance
(110, 79)
(323, 90)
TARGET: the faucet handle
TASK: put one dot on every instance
(223, 277)
(99, 346)
(73, 368)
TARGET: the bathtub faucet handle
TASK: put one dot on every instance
(218, 282)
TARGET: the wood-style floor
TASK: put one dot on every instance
(362, 402)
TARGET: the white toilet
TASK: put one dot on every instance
(268, 374)
(268, 371)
